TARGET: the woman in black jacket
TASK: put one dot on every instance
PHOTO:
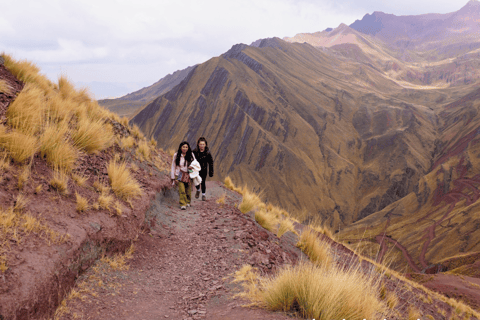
(204, 157)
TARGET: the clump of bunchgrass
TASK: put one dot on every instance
(82, 203)
(59, 182)
(317, 250)
(122, 182)
(315, 292)
(250, 201)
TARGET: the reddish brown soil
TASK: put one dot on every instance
(181, 269)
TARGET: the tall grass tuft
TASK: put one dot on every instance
(317, 292)
(123, 184)
(285, 226)
(19, 146)
(144, 150)
(26, 112)
(249, 202)
(60, 154)
(265, 218)
(59, 182)
(92, 136)
(318, 251)
(82, 203)
(27, 72)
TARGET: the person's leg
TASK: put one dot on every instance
(197, 194)
(204, 187)
(188, 191)
(182, 194)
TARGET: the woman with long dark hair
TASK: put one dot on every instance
(204, 157)
(179, 174)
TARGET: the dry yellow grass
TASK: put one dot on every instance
(118, 208)
(23, 177)
(143, 150)
(124, 121)
(59, 182)
(318, 251)
(315, 292)
(82, 203)
(26, 112)
(285, 226)
(59, 153)
(250, 201)
(38, 189)
(105, 201)
(221, 200)
(18, 146)
(263, 217)
(91, 136)
(123, 184)
(27, 72)
(4, 88)
(153, 142)
(136, 132)
(127, 142)
(79, 179)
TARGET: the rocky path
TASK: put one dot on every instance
(181, 268)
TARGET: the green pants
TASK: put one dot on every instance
(185, 193)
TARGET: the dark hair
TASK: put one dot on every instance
(202, 139)
(188, 156)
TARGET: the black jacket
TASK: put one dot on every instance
(206, 160)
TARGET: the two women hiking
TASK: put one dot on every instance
(187, 166)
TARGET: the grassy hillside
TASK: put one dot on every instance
(75, 183)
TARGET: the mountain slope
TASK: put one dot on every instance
(130, 104)
(321, 132)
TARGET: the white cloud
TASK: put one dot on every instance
(125, 41)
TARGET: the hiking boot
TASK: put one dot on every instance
(204, 198)
(197, 194)
(183, 208)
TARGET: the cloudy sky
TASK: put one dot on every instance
(119, 46)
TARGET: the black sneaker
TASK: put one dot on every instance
(197, 194)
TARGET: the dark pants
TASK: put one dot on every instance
(203, 175)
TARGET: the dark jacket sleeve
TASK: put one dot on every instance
(210, 165)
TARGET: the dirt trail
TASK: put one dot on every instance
(180, 269)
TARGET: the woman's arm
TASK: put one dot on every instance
(174, 167)
(210, 165)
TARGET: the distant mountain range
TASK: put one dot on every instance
(372, 127)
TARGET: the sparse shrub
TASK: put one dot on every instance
(59, 182)
(316, 292)
(318, 251)
(123, 184)
(249, 201)
(91, 136)
(82, 203)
